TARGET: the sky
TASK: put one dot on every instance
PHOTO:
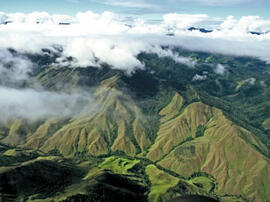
(148, 9)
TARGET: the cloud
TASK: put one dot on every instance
(33, 103)
(220, 69)
(14, 69)
(198, 77)
(252, 81)
(178, 59)
(95, 39)
(36, 105)
(34, 18)
(181, 21)
(246, 24)
(3, 17)
(95, 51)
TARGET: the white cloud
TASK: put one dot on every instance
(35, 18)
(183, 20)
(36, 105)
(113, 51)
(198, 77)
(252, 81)
(32, 104)
(220, 69)
(3, 17)
(94, 39)
(13, 69)
(178, 59)
(246, 24)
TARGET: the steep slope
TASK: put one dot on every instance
(191, 138)
(42, 176)
(202, 139)
(195, 148)
(54, 178)
(115, 123)
(16, 131)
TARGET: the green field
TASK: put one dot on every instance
(161, 182)
(118, 165)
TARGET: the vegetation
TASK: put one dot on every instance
(203, 182)
(118, 165)
(153, 135)
(161, 182)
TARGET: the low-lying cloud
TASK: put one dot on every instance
(13, 69)
(177, 58)
(220, 69)
(36, 105)
(198, 77)
(94, 39)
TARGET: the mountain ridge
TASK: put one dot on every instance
(159, 117)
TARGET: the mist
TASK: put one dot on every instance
(20, 101)
(36, 105)
(95, 39)
(14, 69)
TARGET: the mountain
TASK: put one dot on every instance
(152, 135)
(203, 30)
(200, 29)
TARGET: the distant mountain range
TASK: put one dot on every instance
(37, 22)
(202, 30)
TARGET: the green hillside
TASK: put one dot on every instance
(149, 136)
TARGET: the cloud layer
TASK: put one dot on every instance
(94, 39)
(13, 69)
(36, 105)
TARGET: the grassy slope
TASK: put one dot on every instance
(53, 178)
(117, 124)
(203, 181)
(161, 182)
(225, 150)
(118, 165)
(41, 176)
